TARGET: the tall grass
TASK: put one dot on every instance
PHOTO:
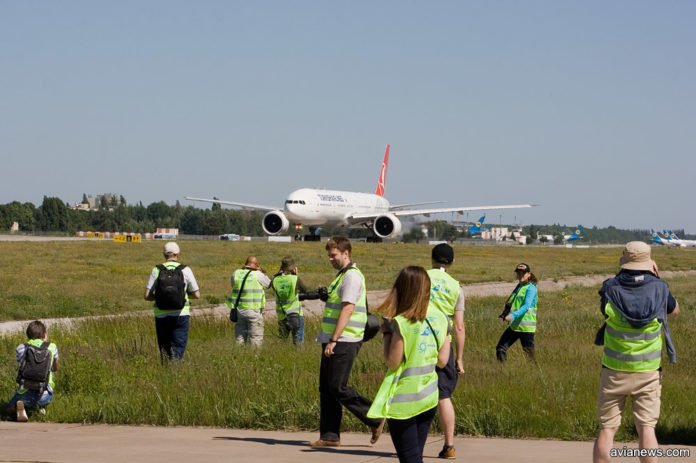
(111, 373)
(77, 278)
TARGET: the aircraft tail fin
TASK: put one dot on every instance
(477, 227)
(383, 174)
(655, 237)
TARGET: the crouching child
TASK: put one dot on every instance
(37, 359)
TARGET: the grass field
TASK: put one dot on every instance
(77, 278)
(110, 371)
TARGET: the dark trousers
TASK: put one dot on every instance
(172, 336)
(409, 436)
(334, 392)
(508, 338)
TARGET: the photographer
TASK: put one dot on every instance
(520, 313)
(286, 284)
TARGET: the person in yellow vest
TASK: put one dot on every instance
(171, 286)
(522, 318)
(447, 296)
(341, 335)
(636, 304)
(287, 285)
(415, 342)
(248, 297)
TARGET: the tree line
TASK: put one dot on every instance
(56, 216)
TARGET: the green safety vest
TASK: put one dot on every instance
(631, 349)
(186, 310)
(253, 296)
(287, 299)
(411, 389)
(356, 325)
(52, 349)
(526, 324)
(444, 291)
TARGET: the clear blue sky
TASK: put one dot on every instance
(587, 108)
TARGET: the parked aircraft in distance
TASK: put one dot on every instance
(574, 236)
(671, 239)
(476, 228)
(316, 208)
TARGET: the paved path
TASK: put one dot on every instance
(374, 299)
(76, 443)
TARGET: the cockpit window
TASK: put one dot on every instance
(294, 201)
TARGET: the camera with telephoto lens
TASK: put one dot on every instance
(506, 311)
(321, 293)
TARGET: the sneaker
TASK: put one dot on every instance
(325, 443)
(447, 452)
(21, 413)
(376, 432)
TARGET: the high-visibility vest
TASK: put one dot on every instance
(356, 325)
(526, 324)
(287, 299)
(411, 389)
(52, 349)
(252, 296)
(444, 291)
(631, 349)
(186, 310)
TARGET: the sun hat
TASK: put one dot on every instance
(636, 256)
(443, 254)
(171, 249)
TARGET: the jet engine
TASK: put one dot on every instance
(387, 226)
(275, 223)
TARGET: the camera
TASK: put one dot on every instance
(506, 311)
(321, 293)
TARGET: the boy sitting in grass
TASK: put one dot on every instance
(37, 360)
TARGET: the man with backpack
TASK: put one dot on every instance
(37, 359)
(171, 285)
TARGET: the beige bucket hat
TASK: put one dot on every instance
(636, 256)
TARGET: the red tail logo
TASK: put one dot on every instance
(383, 174)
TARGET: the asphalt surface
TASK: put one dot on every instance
(76, 443)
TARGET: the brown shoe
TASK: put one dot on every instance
(448, 453)
(325, 443)
(376, 432)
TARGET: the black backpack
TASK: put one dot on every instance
(170, 291)
(35, 367)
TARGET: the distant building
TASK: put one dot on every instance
(93, 202)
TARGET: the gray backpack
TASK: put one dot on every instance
(35, 368)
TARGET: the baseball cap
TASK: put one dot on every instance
(522, 267)
(636, 256)
(171, 248)
(443, 253)
(287, 264)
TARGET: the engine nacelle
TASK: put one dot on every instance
(275, 223)
(387, 226)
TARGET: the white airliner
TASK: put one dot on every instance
(316, 208)
(671, 239)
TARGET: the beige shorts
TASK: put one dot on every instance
(643, 387)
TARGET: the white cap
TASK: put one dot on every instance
(171, 249)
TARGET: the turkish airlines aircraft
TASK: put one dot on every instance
(313, 207)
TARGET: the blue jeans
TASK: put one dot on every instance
(409, 436)
(294, 324)
(172, 336)
(32, 399)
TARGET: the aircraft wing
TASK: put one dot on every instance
(255, 207)
(358, 218)
(403, 206)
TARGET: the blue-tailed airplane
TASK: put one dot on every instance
(574, 236)
(680, 242)
(476, 228)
